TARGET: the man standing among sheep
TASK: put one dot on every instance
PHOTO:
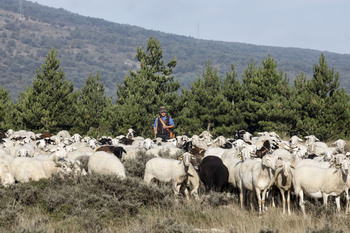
(163, 125)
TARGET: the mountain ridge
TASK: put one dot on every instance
(87, 45)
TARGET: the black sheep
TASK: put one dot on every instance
(213, 173)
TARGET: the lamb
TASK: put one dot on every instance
(257, 176)
(167, 170)
(102, 162)
(317, 182)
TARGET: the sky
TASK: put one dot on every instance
(309, 24)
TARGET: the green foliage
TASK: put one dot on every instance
(111, 49)
(265, 97)
(322, 105)
(5, 105)
(205, 106)
(92, 107)
(145, 90)
(262, 101)
(49, 104)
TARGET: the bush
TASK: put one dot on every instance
(136, 167)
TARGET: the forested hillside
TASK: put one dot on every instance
(88, 45)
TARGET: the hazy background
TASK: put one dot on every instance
(311, 24)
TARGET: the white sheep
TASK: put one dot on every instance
(180, 140)
(76, 138)
(101, 162)
(230, 153)
(63, 134)
(6, 177)
(317, 182)
(283, 181)
(27, 150)
(199, 142)
(233, 165)
(257, 176)
(172, 170)
(294, 141)
(130, 133)
(25, 169)
(283, 154)
(340, 145)
(219, 141)
(215, 151)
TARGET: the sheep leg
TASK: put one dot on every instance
(301, 202)
(347, 201)
(337, 202)
(187, 194)
(283, 201)
(241, 196)
(176, 188)
(288, 201)
(251, 199)
(148, 178)
(263, 197)
(325, 199)
(258, 195)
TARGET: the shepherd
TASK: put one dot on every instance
(163, 125)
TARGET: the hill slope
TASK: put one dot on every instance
(88, 45)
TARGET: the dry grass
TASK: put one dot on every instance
(96, 203)
(188, 217)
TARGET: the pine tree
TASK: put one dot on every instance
(91, 107)
(49, 104)
(265, 104)
(147, 89)
(205, 107)
(324, 107)
(6, 105)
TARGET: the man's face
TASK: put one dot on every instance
(163, 114)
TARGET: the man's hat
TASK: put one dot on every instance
(162, 109)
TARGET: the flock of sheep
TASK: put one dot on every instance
(251, 165)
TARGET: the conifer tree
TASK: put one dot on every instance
(324, 107)
(145, 90)
(6, 105)
(265, 104)
(205, 107)
(91, 108)
(48, 105)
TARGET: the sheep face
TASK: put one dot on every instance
(269, 161)
(345, 167)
